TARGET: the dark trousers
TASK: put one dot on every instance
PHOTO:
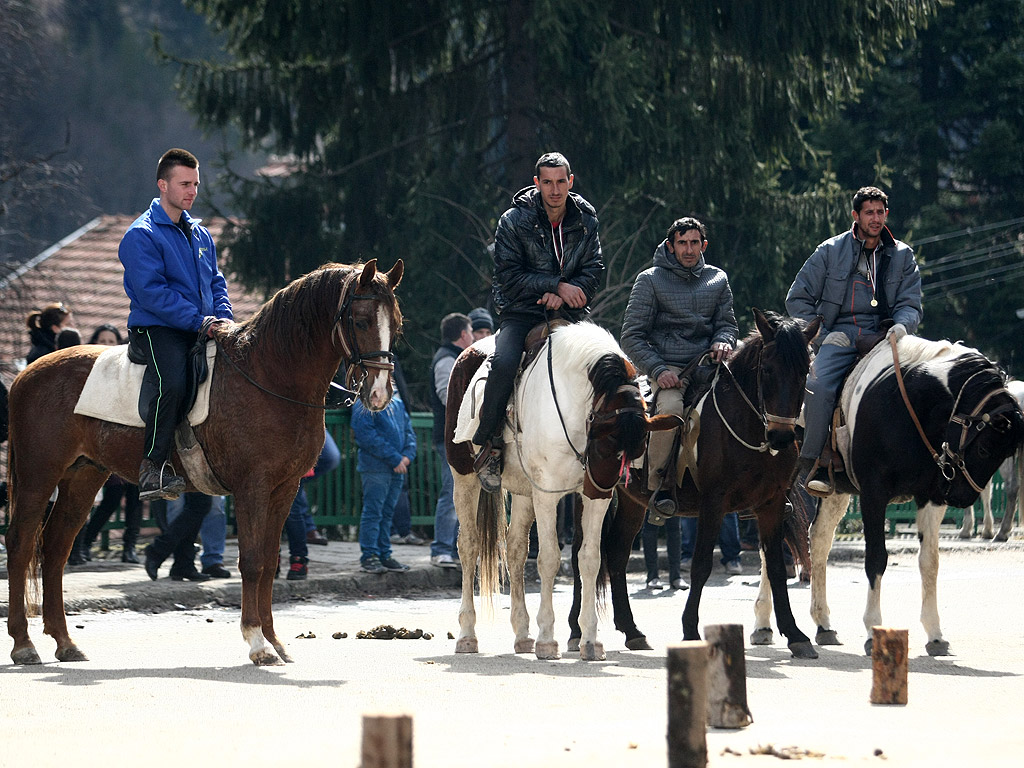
(112, 495)
(166, 353)
(179, 538)
(508, 352)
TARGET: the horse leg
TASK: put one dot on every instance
(548, 561)
(271, 549)
(518, 544)
(709, 523)
(74, 501)
(799, 644)
(823, 531)
(967, 526)
(617, 546)
(875, 560)
(762, 634)
(589, 563)
(465, 492)
(27, 507)
(929, 518)
(574, 612)
(252, 520)
(1012, 478)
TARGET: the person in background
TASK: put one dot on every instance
(728, 542)
(213, 532)
(401, 523)
(456, 335)
(43, 327)
(179, 539)
(483, 323)
(673, 543)
(299, 527)
(386, 448)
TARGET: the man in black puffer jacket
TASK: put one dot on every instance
(547, 257)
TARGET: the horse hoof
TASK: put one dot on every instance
(71, 653)
(639, 644)
(762, 636)
(592, 651)
(986, 535)
(965, 535)
(548, 650)
(26, 655)
(265, 659)
(827, 637)
(466, 645)
(1003, 537)
(573, 645)
(525, 645)
(803, 650)
(937, 648)
(867, 647)
(284, 655)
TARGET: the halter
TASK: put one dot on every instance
(760, 411)
(351, 356)
(968, 425)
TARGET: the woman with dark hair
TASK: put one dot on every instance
(43, 327)
(114, 490)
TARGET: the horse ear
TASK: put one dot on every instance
(369, 270)
(395, 274)
(763, 326)
(812, 328)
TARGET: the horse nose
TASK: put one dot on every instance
(779, 439)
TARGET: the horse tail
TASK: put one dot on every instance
(795, 527)
(33, 592)
(490, 529)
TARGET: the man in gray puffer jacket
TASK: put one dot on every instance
(678, 309)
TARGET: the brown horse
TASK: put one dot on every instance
(746, 459)
(264, 431)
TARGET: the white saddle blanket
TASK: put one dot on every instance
(111, 393)
(469, 410)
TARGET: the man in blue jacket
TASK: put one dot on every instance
(175, 288)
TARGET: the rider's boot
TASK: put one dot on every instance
(488, 464)
(159, 482)
(821, 479)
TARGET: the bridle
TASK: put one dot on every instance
(353, 360)
(961, 428)
(766, 419)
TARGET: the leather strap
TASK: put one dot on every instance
(906, 401)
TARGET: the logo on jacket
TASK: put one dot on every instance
(202, 252)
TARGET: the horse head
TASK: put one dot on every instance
(778, 352)
(367, 321)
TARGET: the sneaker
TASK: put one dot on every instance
(372, 564)
(488, 468)
(734, 568)
(297, 570)
(443, 561)
(218, 571)
(655, 583)
(686, 564)
(409, 538)
(819, 485)
(393, 565)
(680, 584)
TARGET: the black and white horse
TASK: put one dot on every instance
(968, 423)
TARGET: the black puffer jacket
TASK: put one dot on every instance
(525, 267)
(44, 341)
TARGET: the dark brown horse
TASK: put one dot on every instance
(746, 459)
(264, 431)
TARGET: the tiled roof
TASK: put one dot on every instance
(83, 271)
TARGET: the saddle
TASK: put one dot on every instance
(196, 369)
(535, 339)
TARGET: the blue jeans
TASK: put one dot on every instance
(672, 540)
(300, 521)
(446, 520)
(213, 531)
(380, 492)
(401, 524)
(728, 537)
(827, 374)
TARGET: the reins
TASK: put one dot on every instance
(761, 413)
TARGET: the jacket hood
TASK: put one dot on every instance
(667, 260)
(529, 198)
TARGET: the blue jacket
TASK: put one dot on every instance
(383, 437)
(170, 281)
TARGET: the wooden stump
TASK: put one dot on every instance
(727, 677)
(387, 741)
(889, 652)
(687, 704)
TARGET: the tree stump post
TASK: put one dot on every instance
(727, 677)
(387, 741)
(889, 654)
(687, 704)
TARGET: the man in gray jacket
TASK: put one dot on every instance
(854, 281)
(678, 309)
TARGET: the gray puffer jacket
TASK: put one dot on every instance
(675, 313)
(525, 267)
(821, 285)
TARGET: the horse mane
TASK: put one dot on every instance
(300, 315)
(790, 346)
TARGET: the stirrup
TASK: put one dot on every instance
(817, 487)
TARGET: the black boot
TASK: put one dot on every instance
(128, 554)
(159, 482)
(79, 550)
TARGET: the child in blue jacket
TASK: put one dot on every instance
(387, 446)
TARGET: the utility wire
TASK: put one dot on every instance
(989, 254)
(968, 231)
(1007, 268)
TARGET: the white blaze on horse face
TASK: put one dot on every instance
(378, 379)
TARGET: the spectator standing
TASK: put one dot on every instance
(178, 539)
(387, 446)
(300, 527)
(674, 545)
(43, 327)
(213, 532)
(728, 542)
(456, 335)
(483, 323)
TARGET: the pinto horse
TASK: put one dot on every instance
(746, 458)
(578, 420)
(264, 431)
(938, 444)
